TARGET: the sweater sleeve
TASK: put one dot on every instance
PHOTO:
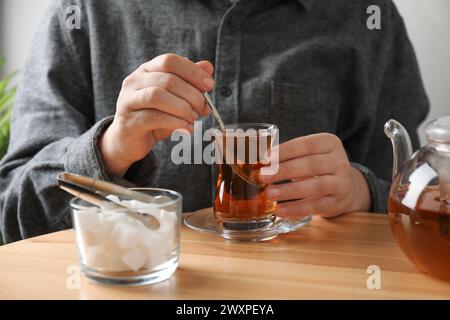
(54, 130)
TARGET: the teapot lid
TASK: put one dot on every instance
(438, 130)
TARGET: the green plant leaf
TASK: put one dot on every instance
(6, 109)
(5, 124)
(6, 98)
(6, 105)
(5, 119)
(4, 139)
(5, 81)
(4, 131)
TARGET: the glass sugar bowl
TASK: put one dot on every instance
(118, 247)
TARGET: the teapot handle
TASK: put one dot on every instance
(401, 144)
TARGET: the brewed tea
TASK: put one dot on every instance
(423, 233)
(239, 204)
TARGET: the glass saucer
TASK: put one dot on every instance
(203, 221)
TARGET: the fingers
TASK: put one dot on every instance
(173, 84)
(162, 95)
(309, 156)
(301, 208)
(160, 99)
(304, 167)
(308, 145)
(209, 68)
(206, 66)
(309, 188)
(319, 170)
(161, 134)
(152, 119)
(182, 67)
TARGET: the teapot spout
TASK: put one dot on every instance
(401, 144)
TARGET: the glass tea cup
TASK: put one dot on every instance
(118, 248)
(242, 151)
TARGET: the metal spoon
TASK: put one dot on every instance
(215, 113)
(221, 124)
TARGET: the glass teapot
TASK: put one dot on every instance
(419, 198)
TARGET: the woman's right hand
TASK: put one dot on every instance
(162, 95)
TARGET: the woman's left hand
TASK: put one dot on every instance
(322, 180)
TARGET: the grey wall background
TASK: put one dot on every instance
(427, 21)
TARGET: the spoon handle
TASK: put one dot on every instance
(214, 111)
(219, 120)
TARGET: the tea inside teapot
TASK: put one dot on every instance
(419, 199)
(424, 231)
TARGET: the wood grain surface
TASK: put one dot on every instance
(328, 259)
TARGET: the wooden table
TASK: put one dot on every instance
(327, 259)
